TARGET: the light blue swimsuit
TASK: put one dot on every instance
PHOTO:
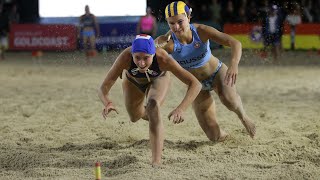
(194, 55)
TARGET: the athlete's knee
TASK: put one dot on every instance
(201, 107)
(152, 111)
(230, 101)
(134, 118)
(152, 106)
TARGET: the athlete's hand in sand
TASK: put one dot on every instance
(107, 109)
(176, 116)
(231, 75)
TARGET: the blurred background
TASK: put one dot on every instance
(50, 115)
(54, 25)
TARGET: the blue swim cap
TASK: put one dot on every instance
(143, 43)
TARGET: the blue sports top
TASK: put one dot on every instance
(153, 71)
(192, 55)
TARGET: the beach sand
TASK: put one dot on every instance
(51, 125)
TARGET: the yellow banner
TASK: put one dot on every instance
(301, 41)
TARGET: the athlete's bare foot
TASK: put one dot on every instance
(156, 164)
(250, 126)
(223, 136)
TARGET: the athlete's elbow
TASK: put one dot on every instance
(239, 44)
(235, 42)
(197, 86)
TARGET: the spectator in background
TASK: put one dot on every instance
(228, 14)
(264, 6)
(252, 11)
(215, 10)
(4, 29)
(242, 7)
(282, 13)
(271, 31)
(205, 12)
(241, 17)
(315, 11)
(14, 17)
(293, 19)
(88, 31)
(147, 24)
(306, 14)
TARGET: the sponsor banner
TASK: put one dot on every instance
(43, 37)
(116, 35)
(250, 35)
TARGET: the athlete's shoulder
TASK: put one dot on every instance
(205, 31)
(124, 58)
(161, 53)
(127, 51)
(201, 27)
(125, 55)
(163, 59)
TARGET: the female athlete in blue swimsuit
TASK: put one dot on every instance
(189, 46)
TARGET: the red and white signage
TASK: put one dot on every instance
(43, 37)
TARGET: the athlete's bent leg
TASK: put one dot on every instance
(134, 99)
(231, 99)
(204, 108)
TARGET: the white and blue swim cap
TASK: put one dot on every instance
(143, 43)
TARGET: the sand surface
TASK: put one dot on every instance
(51, 125)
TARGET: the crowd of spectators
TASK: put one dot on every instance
(250, 11)
(8, 15)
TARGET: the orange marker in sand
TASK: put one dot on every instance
(98, 171)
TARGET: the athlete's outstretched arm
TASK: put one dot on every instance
(207, 32)
(115, 71)
(167, 63)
